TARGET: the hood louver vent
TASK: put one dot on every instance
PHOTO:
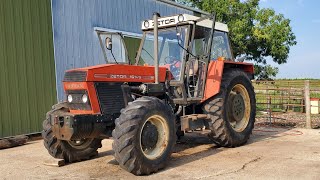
(75, 76)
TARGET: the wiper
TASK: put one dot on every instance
(186, 50)
(182, 46)
(148, 53)
(114, 57)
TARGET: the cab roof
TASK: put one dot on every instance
(169, 21)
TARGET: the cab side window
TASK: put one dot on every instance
(200, 42)
(220, 46)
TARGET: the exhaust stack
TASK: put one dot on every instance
(156, 61)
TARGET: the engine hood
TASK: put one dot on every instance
(115, 73)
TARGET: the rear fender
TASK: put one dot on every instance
(215, 72)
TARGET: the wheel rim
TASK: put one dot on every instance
(239, 108)
(80, 144)
(154, 137)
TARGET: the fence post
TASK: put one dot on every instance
(269, 109)
(307, 103)
(302, 101)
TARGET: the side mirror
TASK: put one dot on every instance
(108, 43)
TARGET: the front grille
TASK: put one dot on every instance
(75, 76)
(110, 97)
(78, 106)
(77, 103)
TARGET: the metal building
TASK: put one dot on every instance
(40, 39)
(27, 73)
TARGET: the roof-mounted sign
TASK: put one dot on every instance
(182, 18)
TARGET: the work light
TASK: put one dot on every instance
(180, 18)
(146, 24)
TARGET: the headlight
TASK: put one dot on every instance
(70, 98)
(84, 98)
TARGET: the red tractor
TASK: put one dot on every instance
(184, 78)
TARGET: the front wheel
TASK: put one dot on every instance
(144, 136)
(70, 151)
(233, 110)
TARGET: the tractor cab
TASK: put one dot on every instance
(184, 46)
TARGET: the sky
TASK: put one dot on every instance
(304, 58)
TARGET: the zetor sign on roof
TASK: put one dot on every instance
(186, 18)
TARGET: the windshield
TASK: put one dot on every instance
(170, 52)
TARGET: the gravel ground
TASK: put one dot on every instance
(271, 153)
(289, 119)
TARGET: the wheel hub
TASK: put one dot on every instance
(80, 144)
(238, 107)
(149, 136)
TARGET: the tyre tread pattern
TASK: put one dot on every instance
(61, 149)
(220, 129)
(125, 136)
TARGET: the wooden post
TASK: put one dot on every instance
(302, 102)
(269, 109)
(289, 100)
(307, 103)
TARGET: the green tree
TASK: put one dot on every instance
(256, 33)
(265, 72)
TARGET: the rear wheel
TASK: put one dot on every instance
(70, 151)
(233, 110)
(144, 136)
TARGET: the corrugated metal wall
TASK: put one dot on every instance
(27, 77)
(75, 42)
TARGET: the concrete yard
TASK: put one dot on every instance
(271, 153)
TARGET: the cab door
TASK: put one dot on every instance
(113, 47)
(196, 65)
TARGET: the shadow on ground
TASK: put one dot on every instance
(195, 146)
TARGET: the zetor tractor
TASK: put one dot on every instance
(184, 78)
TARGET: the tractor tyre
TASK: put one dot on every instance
(233, 110)
(70, 151)
(144, 136)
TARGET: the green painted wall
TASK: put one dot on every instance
(27, 72)
(132, 45)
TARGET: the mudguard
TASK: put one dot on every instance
(215, 72)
